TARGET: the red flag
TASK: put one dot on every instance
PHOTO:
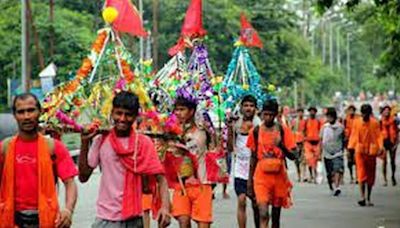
(248, 35)
(128, 19)
(193, 24)
(216, 167)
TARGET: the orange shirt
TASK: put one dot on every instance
(312, 128)
(268, 140)
(365, 134)
(271, 188)
(348, 124)
(299, 125)
(389, 129)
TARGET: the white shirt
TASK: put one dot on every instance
(242, 152)
(242, 158)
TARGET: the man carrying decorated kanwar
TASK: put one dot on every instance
(238, 133)
(298, 126)
(311, 143)
(124, 156)
(30, 165)
(194, 200)
(351, 117)
(332, 143)
(366, 140)
(268, 180)
(389, 132)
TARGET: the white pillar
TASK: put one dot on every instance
(338, 61)
(348, 64)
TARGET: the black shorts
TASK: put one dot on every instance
(334, 165)
(240, 186)
(300, 157)
(387, 144)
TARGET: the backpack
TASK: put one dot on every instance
(286, 152)
(50, 144)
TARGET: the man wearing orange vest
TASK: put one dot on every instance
(366, 140)
(311, 144)
(348, 125)
(29, 166)
(390, 140)
(270, 143)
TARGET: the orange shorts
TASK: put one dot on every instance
(147, 200)
(272, 189)
(366, 168)
(311, 154)
(197, 203)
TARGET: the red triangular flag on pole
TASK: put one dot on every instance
(193, 24)
(248, 35)
(128, 19)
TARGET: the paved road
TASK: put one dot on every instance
(313, 207)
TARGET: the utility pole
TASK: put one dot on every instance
(148, 47)
(24, 48)
(330, 45)
(155, 33)
(313, 43)
(141, 38)
(296, 100)
(300, 88)
(51, 19)
(338, 47)
(348, 64)
(323, 37)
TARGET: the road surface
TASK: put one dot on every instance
(313, 206)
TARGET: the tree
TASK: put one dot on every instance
(73, 35)
(387, 14)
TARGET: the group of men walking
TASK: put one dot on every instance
(139, 174)
(364, 138)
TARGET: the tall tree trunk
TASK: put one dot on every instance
(35, 35)
(155, 33)
(51, 19)
(98, 5)
(25, 45)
